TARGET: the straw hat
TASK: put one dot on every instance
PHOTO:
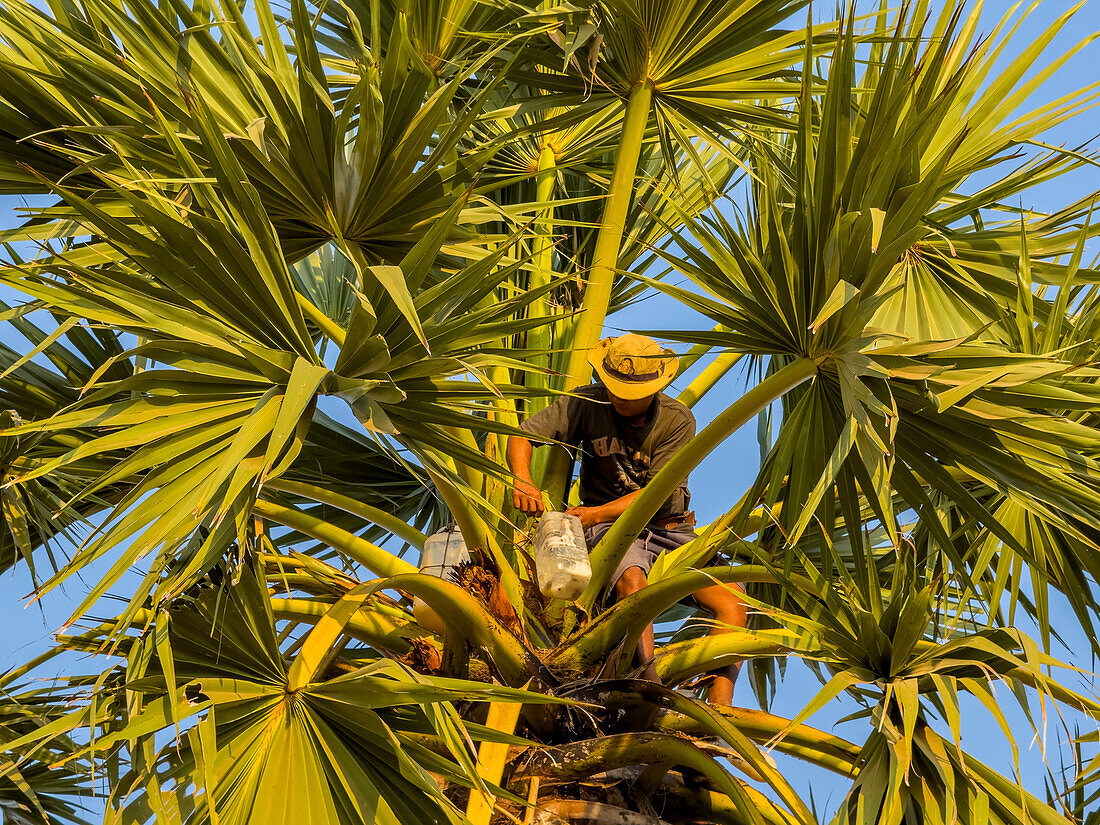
(633, 366)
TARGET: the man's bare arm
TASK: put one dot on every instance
(526, 497)
(603, 512)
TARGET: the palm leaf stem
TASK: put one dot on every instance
(540, 339)
(696, 351)
(475, 531)
(467, 617)
(474, 478)
(472, 526)
(628, 617)
(542, 268)
(371, 556)
(329, 327)
(320, 645)
(802, 741)
(304, 583)
(387, 521)
(712, 807)
(611, 549)
(583, 810)
(690, 358)
(710, 376)
(369, 627)
(683, 660)
(605, 256)
(503, 412)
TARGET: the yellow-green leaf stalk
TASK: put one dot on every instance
(597, 293)
(357, 549)
(387, 521)
(329, 327)
(626, 618)
(495, 488)
(370, 626)
(503, 411)
(473, 477)
(539, 340)
(542, 263)
(609, 552)
(710, 376)
(681, 661)
(326, 633)
(469, 619)
(605, 257)
(475, 531)
(695, 352)
(803, 742)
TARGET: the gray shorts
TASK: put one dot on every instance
(644, 550)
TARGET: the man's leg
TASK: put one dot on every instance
(630, 577)
(631, 581)
(730, 612)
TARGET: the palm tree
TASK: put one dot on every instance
(303, 276)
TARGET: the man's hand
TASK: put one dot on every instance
(589, 516)
(527, 498)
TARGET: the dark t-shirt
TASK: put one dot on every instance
(617, 458)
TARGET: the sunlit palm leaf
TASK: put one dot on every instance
(814, 279)
(34, 790)
(316, 177)
(240, 374)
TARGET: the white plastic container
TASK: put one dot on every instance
(561, 556)
(443, 552)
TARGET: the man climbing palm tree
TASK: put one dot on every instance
(627, 429)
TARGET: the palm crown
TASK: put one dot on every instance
(424, 213)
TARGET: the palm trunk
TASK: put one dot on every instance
(605, 258)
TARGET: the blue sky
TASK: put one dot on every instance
(731, 469)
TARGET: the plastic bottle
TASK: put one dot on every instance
(561, 556)
(443, 552)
